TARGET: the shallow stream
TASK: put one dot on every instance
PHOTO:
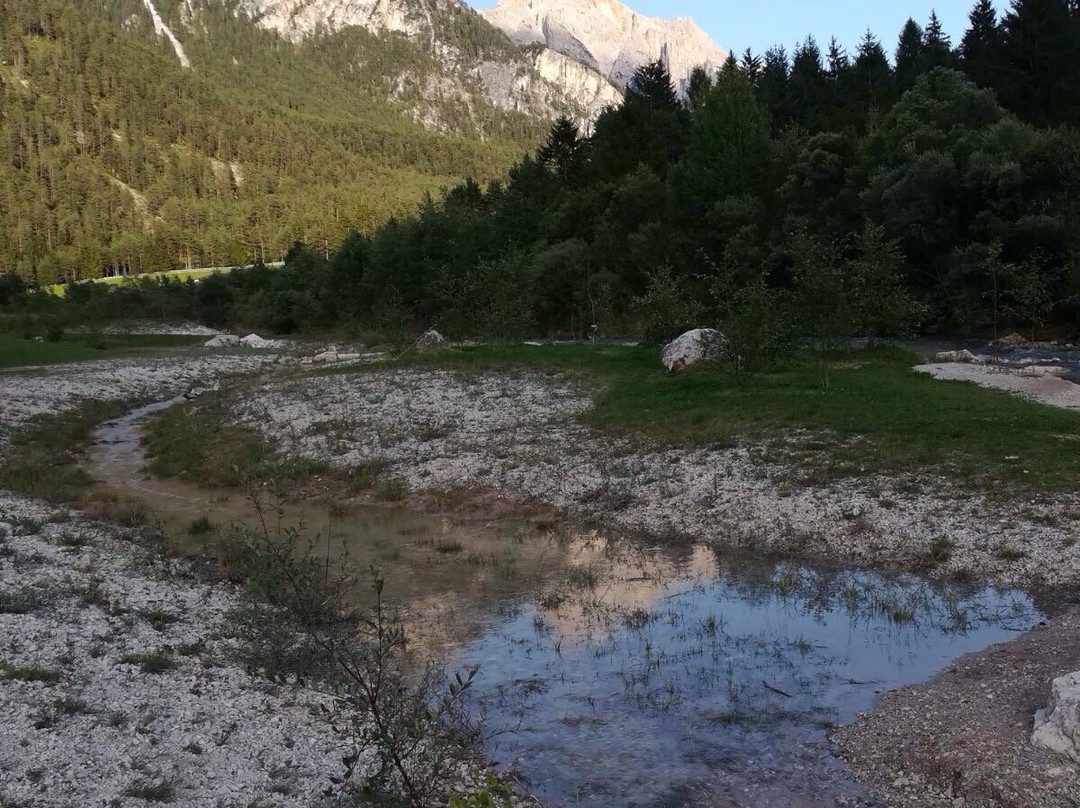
(617, 673)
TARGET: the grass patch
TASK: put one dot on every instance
(15, 351)
(195, 442)
(880, 415)
(29, 673)
(43, 461)
(153, 662)
(22, 601)
(201, 526)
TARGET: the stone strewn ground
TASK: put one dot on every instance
(964, 739)
(519, 434)
(205, 732)
(28, 393)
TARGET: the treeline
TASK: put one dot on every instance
(116, 160)
(829, 194)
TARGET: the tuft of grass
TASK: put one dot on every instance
(22, 601)
(29, 673)
(158, 618)
(391, 489)
(448, 546)
(1006, 552)
(119, 510)
(941, 551)
(152, 662)
(366, 476)
(201, 526)
(151, 791)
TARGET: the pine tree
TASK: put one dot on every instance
(807, 87)
(751, 64)
(838, 62)
(1041, 57)
(563, 145)
(652, 84)
(938, 47)
(698, 86)
(980, 50)
(909, 52)
(872, 78)
(772, 88)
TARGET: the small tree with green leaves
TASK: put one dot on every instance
(882, 307)
(825, 308)
(757, 328)
(1030, 296)
(667, 308)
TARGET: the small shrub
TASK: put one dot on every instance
(201, 526)
(448, 546)
(155, 662)
(22, 601)
(366, 475)
(941, 551)
(391, 489)
(1006, 552)
(158, 618)
(159, 791)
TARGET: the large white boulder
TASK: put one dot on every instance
(223, 341)
(431, 340)
(1058, 726)
(255, 341)
(694, 347)
(965, 356)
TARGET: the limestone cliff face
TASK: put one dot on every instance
(608, 36)
(536, 81)
(296, 19)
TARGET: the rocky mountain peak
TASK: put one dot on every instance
(608, 35)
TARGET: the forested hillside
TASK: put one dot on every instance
(119, 159)
(823, 193)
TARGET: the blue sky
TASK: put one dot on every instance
(738, 24)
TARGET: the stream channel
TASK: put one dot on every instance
(614, 672)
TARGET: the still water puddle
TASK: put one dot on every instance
(613, 673)
(665, 681)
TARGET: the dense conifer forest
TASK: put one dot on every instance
(824, 191)
(118, 160)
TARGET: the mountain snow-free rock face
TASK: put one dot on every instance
(541, 82)
(296, 19)
(608, 35)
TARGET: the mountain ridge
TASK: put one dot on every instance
(616, 38)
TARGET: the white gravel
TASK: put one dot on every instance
(29, 393)
(216, 735)
(519, 434)
(1050, 390)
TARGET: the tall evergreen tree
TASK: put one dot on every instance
(980, 50)
(909, 53)
(807, 86)
(773, 86)
(837, 61)
(872, 78)
(751, 63)
(1041, 57)
(937, 51)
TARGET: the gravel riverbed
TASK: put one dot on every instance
(98, 731)
(520, 435)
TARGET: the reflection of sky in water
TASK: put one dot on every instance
(716, 691)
